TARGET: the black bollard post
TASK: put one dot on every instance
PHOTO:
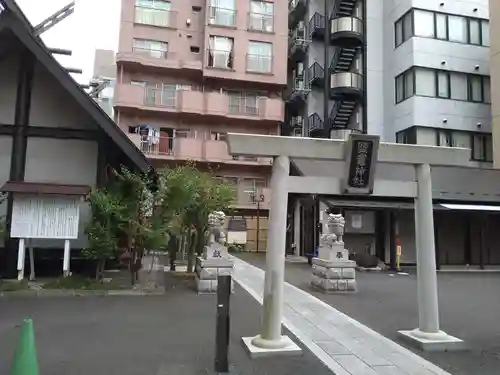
(222, 328)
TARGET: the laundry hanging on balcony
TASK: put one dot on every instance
(149, 134)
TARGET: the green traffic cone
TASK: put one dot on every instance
(25, 361)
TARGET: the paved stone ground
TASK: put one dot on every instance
(172, 334)
(469, 309)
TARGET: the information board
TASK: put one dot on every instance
(45, 217)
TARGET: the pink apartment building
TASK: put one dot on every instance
(190, 71)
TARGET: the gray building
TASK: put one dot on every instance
(325, 95)
(104, 80)
(411, 71)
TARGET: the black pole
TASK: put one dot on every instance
(222, 328)
(392, 241)
(258, 226)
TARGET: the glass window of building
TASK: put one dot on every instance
(259, 57)
(441, 26)
(485, 32)
(474, 31)
(423, 23)
(261, 17)
(457, 29)
(475, 88)
(222, 12)
(458, 86)
(398, 33)
(153, 48)
(443, 81)
(407, 26)
(153, 12)
(444, 138)
(442, 84)
(409, 86)
(425, 82)
(461, 139)
(453, 28)
(486, 90)
(482, 147)
(400, 91)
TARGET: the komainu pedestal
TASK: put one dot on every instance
(332, 270)
(215, 259)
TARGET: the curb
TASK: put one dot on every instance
(82, 293)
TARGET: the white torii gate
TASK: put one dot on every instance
(428, 335)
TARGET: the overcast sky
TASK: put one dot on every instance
(94, 24)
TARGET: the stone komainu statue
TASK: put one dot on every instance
(335, 230)
(216, 236)
(216, 222)
(336, 224)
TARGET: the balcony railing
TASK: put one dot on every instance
(315, 123)
(259, 64)
(316, 73)
(261, 22)
(221, 16)
(243, 105)
(161, 96)
(351, 24)
(316, 25)
(220, 59)
(148, 52)
(155, 17)
(157, 146)
(346, 79)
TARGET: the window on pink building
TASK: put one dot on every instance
(153, 12)
(220, 53)
(261, 17)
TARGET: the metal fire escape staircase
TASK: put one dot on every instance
(342, 61)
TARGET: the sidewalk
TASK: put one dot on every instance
(344, 345)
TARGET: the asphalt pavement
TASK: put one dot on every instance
(173, 334)
(469, 309)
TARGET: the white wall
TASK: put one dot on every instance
(51, 107)
(375, 66)
(64, 162)
(430, 112)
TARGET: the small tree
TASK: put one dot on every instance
(101, 228)
(206, 195)
(137, 202)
